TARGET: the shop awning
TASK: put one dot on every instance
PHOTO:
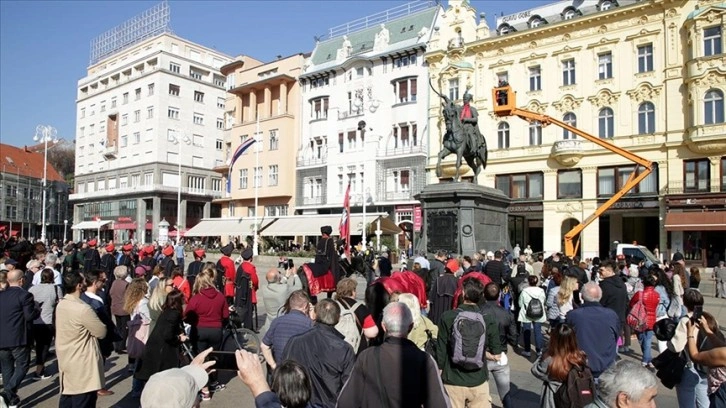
(696, 221)
(213, 227)
(90, 225)
(309, 225)
(124, 225)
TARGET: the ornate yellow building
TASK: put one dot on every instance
(649, 76)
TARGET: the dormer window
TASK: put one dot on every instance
(569, 14)
(536, 22)
(606, 5)
(505, 29)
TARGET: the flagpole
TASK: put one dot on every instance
(255, 250)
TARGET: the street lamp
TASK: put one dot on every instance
(45, 133)
(65, 230)
(178, 141)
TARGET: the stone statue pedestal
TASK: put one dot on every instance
(463, 218)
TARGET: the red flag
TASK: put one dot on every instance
(345, 222)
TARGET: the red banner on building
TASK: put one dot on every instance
(345, 222)
(417, 219)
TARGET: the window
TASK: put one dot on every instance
(137, 137)
(195, 74)
(198, 96)
(174, 90)
(150, 89)
(113, 102)
(453, 89)
(124, 119)
(216, 184)
(198, 140)
(713, 107)
(605, 66)
(93, 109)
(612, 179)
(137, 116)
(569, 184)
(243, 178)
(149, 135)
(83, 113)
(502, 77)
(646, 118)
(405, 90)
(645, 58)
(605, 5)
(536, 22)
(568, 72)
(712, 41)
(274, 139)
(174, 67)
(124, 141)
(535, 79)
(319, 82)
(218, 144)
(319, 108)
(535, 133)
(220, 103)
(405, 61)
(148, 179)
(272, 175)
(258, 176)
(275, 210)
(571, 120)
(135, 178)
(173, 113)
(520, 186)
(606, 123)
(199, 119)
(150, 112)
(103, 106)
(90, 129)
(125, 98)
(569, 14)
(723, 174)
(137, 94)
(697, 175)
(82, 131)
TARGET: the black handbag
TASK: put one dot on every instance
(665, 329)
(670, 366)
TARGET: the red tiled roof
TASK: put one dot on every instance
(24, 162)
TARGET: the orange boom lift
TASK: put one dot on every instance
(505, 105)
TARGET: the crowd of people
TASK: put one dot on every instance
(434, 342)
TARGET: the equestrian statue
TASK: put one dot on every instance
(462, 136)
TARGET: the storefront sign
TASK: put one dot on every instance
(628, 205)
(526, 208)
(417, 219)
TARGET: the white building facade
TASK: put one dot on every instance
(364, 116)
(140, 113)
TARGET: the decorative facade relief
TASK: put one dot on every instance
(536, 106)
(383, 37)
(604, 98)
(711, 79)
(644, 92)
(568, 103)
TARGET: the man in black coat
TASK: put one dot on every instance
(496, 270)
(17, 312)
(614, 296)
(507, 335)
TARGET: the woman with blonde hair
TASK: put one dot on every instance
(157, 300)
(565, 296)
(136, 304)
(421, 323)
(208, 274)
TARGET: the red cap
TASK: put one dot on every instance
(452, 265)
(127, 247)
(92, 242)
(168, 251)
(199, 253)
(110, 247)
(149, 250)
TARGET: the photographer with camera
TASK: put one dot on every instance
(275, 293)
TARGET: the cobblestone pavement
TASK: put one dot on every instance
(525, 388)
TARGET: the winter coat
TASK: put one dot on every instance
(162, 348)
(651, 299)
(540, 369)
(615, 296)
(207, 309)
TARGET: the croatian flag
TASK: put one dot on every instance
(237, 153)
(345, 222)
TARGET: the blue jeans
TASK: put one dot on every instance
(501, 379)
(538, 339)
(646, 340)
(693, 389)
(14, 364)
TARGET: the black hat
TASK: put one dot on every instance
(227, 249)
(677, 257)
(247, 253)
(327, 229)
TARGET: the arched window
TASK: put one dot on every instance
(606, 123)
(535, 133)
(505, 29)
(606, 5)
(503, 135)
(713, 107)
(536, 22)
(569, 14)
(646, 118)
(571, 120)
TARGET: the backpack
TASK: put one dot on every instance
(637, 318)
(535, 310)
(577, 390)
(348, 325)
(468, 340)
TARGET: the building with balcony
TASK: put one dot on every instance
(647, 76)
(150, 123)
(21, 194)
(262, 103)
(364, 115)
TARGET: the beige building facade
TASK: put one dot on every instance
(262, 102)
(649, 76)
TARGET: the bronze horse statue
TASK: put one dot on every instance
(456, 141)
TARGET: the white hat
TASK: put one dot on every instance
(174, 388)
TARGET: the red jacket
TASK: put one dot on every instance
(229, 273)
(250, 270)
(207, 309)
(651, 298)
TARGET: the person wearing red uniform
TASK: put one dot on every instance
(246, 286)
(226, 264)
(650, 299)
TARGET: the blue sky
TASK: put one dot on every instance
(44, 45)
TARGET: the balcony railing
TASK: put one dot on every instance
(313, 200)
(110, 152)
(677, 187)
(398, 195)
(312, 161)
(568, 146)
(144, 189)
(402, 150)
(350, 114)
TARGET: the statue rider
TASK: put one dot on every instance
(469, 120)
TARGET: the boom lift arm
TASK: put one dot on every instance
(505, 105)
